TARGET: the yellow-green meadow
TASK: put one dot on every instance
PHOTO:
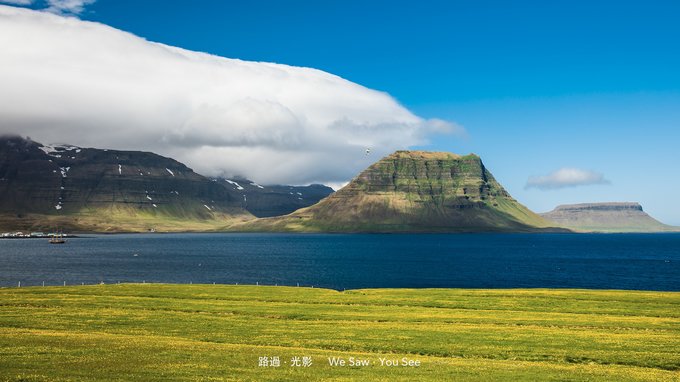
(158, 332)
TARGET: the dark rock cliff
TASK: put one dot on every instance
(64, 180)
(274, 200)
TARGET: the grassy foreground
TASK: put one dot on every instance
(155, 332)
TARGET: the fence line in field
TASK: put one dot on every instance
(82, 283)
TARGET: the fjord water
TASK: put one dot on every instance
(339, 261)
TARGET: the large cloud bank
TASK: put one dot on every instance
(69, 81)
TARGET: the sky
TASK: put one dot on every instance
(565, 101)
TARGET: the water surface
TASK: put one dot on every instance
(348, 261)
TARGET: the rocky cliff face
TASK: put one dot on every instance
(97, 189)
(605, 217)
(274, 200)
(414, 191)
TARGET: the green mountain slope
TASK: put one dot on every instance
(413, 191)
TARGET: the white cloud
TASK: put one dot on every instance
(17, 2)
(66, 80)
(566, 177)
(336, 185)
(67, 7)
(59, 7)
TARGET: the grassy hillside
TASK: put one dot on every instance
(413, 191)
(126, 218)
(217, 333)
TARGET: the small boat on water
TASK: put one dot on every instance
(57, 239)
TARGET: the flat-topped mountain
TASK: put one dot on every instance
(67, 187)
(606, 217)
(413, 191)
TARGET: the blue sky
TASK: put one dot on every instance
(538, 86)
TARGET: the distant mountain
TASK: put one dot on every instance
(606, 217)
(274, 200)
(72, 188)
(413, 191)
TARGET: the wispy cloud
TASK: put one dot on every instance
(67, 7)
(92, 85)
(59, 7)
(566, 177)
(17, 2)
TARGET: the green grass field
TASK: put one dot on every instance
(155, 332)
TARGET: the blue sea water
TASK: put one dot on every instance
(349, 261)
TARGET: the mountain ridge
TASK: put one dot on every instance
(274, 199)
(413, 191)
(606, 217)
(87, 189)
(45, 186)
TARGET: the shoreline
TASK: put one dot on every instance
(38, 237)
(349, 290)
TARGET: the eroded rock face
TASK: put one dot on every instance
(415, 191)
(605, 217)
(439, 179)
(64, 179)
(274, 200)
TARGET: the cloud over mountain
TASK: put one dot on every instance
(67, 80)
(566, 177)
